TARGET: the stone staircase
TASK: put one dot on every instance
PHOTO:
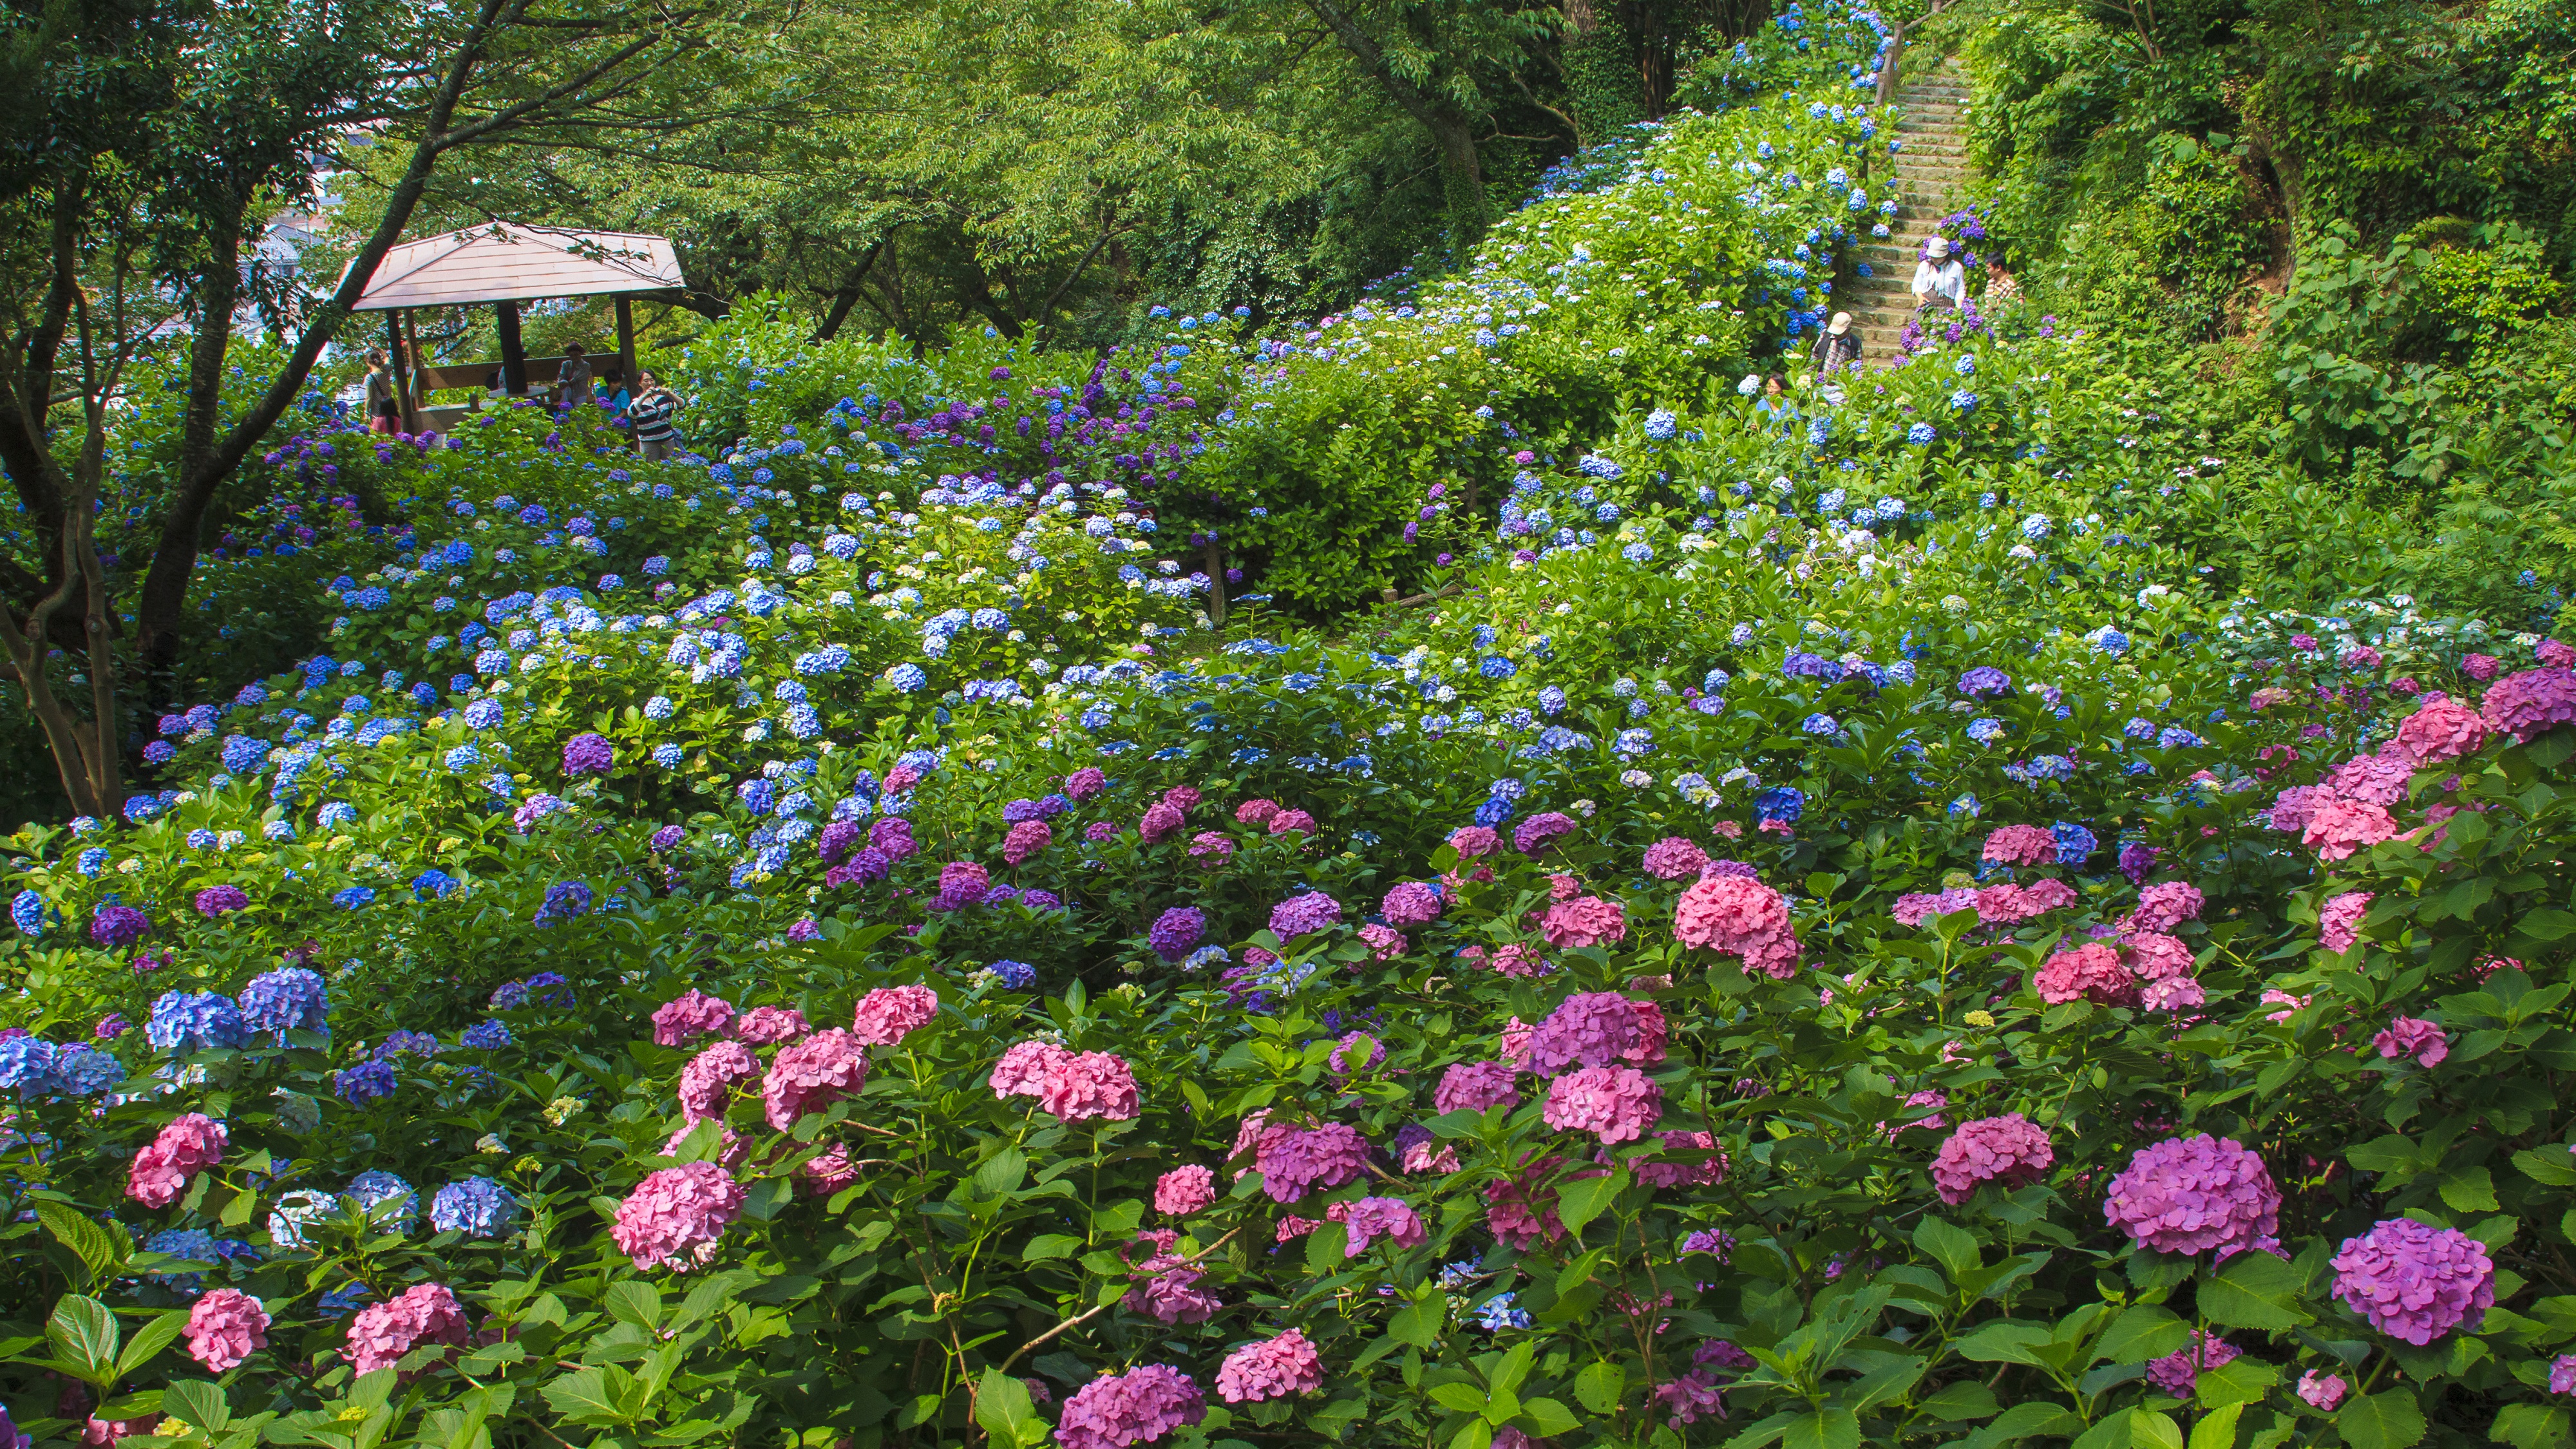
(1931, 174)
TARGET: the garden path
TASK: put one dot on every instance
(1932, 103)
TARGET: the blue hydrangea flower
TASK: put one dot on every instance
(486, 1036)
(478, 1207)
(1017, 975)
(1495, 666)
(1985, 730)
(351, 898)
(293, 999)
(390, 1202)
(27, 910)
(82, 1070)
(185, 1022)
(433, 884)
(364, 1083)
(27, 1064)
(2075, 844)
(1920, 434)
(565, 900)
(1497, 1314)
(1780, 803)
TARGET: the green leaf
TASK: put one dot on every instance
(199, 1402)
(2469, 1189)
(1965, 1399)
(2238, 1381)
(1578, 1204)
(2004, 1342)
(1419, 1323)
(2548, 925)
(588, 1396)
(2382, 1421)
(1828, 1428)
(84, 1332)
(2555, 1167)
(1508, 1375)
(2254, 1290)
(1549, 1418)
(87, 1240)
(2149, 1429)
(1002, 1405)
(2217, 1428)
(767, 1196)
(2026, 1420)
(1599, 1386)
(1050, 1245)
(1460, 1398)
(2528, 1426)
(635, 1302)
(1948, 1244)
(1004, 1174)
(147, 1344)
(1326, 1249)
(2141, 1332)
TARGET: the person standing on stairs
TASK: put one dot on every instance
(1939, 279)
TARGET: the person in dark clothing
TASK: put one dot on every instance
(1836, 349)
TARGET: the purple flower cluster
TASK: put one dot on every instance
(2415, 1282)
(1302, 915)
(2195, 1195)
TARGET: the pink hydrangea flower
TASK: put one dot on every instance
(2291, 1005)
(1521, 1209)
(826, 1172)
(2443, 729)
(1733, 916)
(1162, 821)
(1584, 921)
(1708, 1172)
(813, 1074)
(1211, 848)
(381, 1334)
(888, 1014)
(1023, 1068)
(1391, 1218)
(1411, 903)
(710, 1077)
(674, 1217)
(1136, 1407)
(2292, 807)
(2021, 845)
(2525, 704)
(2155, 956)
(2412, 1036)
(1384, 943)
(2165, 905)
(1675, 858)
(1292, 822)
(1025, 840)
(2562, 1374)
(1171, 1293)
(2172, 994)
(160, 1173)
(2007, 904)
(1688, 1399)
(770, 1025)
(1418, 1149)
(2379, 779)
(1915, 907)
(1300, 915)
(1516, 1035)
(2190, 1195)
(2050, 894)
(1474, 1087)
(2323, 1392)
(732, 1149)
(1083, 1086)
(2414, 1282)
(1273, 1368)
(2176, 1372)
(2481, 667)
(690, 1015)
(1512, 958)
(1617, 1104)
(1474, 841)
(1587, 1029)
(1085, 783)
(2339, 921)
(2090, 972)
(1535, 832)
(225, 1327)
(2007, 1151)
(1256, 813)
(1652, 1033)
(1184, 1190)
(962, 883)
(1295, 1163)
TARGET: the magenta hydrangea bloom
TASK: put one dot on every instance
(2007, 1151)
(1688, 1399)
(813, 1074)
(220, 900)
(2412, 1036)
(2562, 1375)
(1274, 1368)
(690, 1015)
(1081, 1086)
(2188, 1195)
(1473, 841)
(2339, 921)
(2021, 845)
(1212, 848)
(732, 1148)
(2523, 705)
(1299, 915)
(1391, 1218)
(1475, 1086)
(224, 1328)
(1184, 1190)
(1025, 841)
(2176, 1372)
(770, 1025)
(588, 754)
(115, 925)
(1162, 821)
(1587, 1029)
(1085, 783)
(1411, 903)
(191, 1143)
(674, 1217)
(1616, 1104)
(962, 883)
(1707, 1172)
(1022, 1071)
(1675, 858)
(1584, 921)
(1295, 1163)
(1171, 1293)
(1734, 916)
(2444, 729)
(2165, 905)
(1533, 834)
(381, 1334)
(2155, 956)
(707, 1082)
(2414, 1282)
(891, 837)
(1356, 1052)
(2324, 1392)
(888, 1014)
(2337, 827)
(1136, 1407)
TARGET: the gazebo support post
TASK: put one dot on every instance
(414, 405)
(626, 357)
(514, 357)
(394, 365)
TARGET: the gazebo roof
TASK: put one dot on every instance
(504, 262)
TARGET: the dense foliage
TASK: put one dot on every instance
(1861, 916)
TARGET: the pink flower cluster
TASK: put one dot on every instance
(2415, 1282)
(2339, 921)
(1743, 918)
(2526, 704)
(2336, 827)
(225, 1327)
(1411, 903)
(2176, 1372)
(2021, 845)
(2412, 1036)
(1595, 1029)
(1391, 1218)
(161, 1171)
(1675, 858)
(2444, 729)
(674, 1217)
(1915, 907)
(1184, 1190)
(1082, 1086)
(2090, 972)
(1296, 1162)
(1170, 1291)
(1616, 1104)
(2165, 905)
(710, 1077)
(1273, 1368)
(2378, 779)
(1474, 841)
(1136, 1407)
(1708, 1172)
(1475, 1086)
(888, 1014)
(1022, 1070)
(1584, 921)
(381, 1334)
(2189, 1195)
(770, 1025)
(1025, 840)
(813, 1074)
(1534, 833)
(1521, 1209)
(2007, 1151)
(690, 1015)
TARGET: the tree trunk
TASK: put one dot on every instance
(1462, 173)
(1601, 79)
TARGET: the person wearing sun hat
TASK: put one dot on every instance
(1939, 279)
(1836, 349)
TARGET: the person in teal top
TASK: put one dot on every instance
(612, 391)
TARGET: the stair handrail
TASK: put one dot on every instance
(1888, 78)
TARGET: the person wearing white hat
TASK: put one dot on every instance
(1939, 279)
(1836, 349)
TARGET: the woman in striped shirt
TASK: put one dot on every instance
(651, 413)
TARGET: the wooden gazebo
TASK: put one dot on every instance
(505, 264)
